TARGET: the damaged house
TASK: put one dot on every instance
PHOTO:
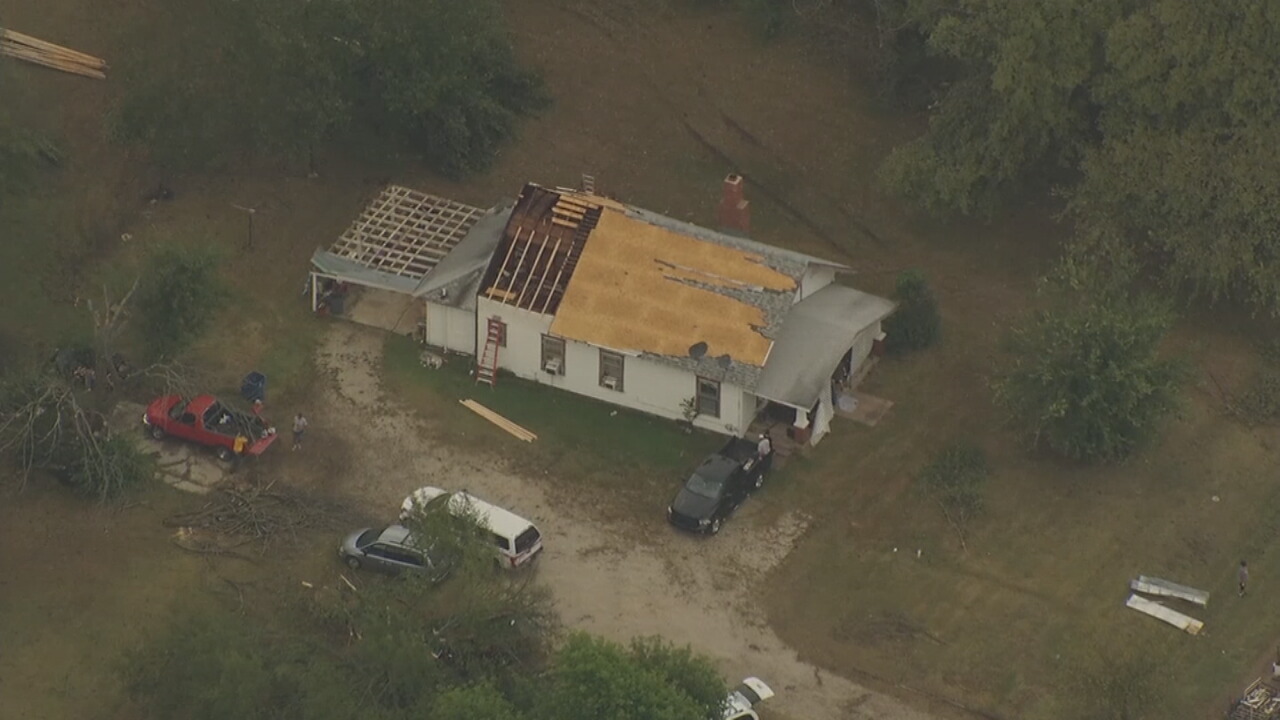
(581, 292)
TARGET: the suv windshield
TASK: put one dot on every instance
(704, 486)
(366, 538)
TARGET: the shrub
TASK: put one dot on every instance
(915, 325)
(954, 479)
(1085, 379)
(178, 297)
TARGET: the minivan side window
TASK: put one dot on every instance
(501, 542)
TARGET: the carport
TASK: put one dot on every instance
(370, 274)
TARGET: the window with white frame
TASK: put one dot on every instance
(708, 397)
(552, 355)
(611, 366)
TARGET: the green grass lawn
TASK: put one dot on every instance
(579, 439)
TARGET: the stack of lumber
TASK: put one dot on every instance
(493, 417)
(39, 52)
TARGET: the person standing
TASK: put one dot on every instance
(299, 427)
(764, 447)
(1243, 576)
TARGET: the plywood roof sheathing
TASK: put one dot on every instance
(628, 260)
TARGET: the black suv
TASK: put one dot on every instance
(719, 486)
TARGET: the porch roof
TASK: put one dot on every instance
(815, 335)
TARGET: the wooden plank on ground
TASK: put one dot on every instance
(1185, 623)
(1164, 588)
(515, 430)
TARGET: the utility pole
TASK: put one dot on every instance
(251, 212)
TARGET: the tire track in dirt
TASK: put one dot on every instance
(685, 589)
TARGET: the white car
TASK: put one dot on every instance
(742, 699)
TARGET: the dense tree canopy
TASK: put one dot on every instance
(1085, 378)
(275, 78)
(1155, 116)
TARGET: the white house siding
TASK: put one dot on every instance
(814, 279)
(862, 344)
(523, 352)
(451, 328)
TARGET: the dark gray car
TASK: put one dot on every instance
(390, 550)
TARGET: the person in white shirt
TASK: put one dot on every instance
(764, 447)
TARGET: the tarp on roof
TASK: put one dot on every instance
(815, 335)
(351, 271)
(459, 271)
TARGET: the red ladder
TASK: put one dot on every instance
(487, 365)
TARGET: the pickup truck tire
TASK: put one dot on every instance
(224, 454)
(715, 526)
(156, 432)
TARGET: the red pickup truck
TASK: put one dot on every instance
(206, 421)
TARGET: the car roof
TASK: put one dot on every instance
(500, 521)
(394, 535)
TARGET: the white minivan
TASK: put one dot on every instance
(518, 541)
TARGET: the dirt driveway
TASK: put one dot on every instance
(603, 580)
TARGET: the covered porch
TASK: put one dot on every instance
(825, 346)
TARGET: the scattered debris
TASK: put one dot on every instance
(39, 52)
(431, 360)
(493, 417)
(1185, 623)
(257, 513)
(1261, 701)
(1164, 588)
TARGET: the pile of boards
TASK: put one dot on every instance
(1165, 589)
(33, 50)
(515, 430)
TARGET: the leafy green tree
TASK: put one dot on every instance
(445, 78)
(1019, 114)
(1186, 170)
(915, 324)
(1155, 117)
(179, 295)
(473, 702)
(1085, 378)
(593, 678)
(278, 78)
(682, 669)
(209, 79)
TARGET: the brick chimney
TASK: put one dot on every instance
(735, 210)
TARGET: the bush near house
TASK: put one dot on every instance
(178, 296)
(915, 325)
